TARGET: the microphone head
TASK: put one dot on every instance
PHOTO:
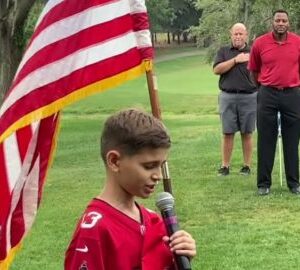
(164, 200)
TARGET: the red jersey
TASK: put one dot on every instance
(107, 239)
(278, 64)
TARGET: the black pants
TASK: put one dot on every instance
(287, 102)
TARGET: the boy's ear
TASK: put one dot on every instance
(113, 160)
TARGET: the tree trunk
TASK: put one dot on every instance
(246, 13)
(245, 9)
(185, 37)
(10, 56)
(178, 38)
(13, 14)
(169, 38)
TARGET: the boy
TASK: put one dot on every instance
(116, 233)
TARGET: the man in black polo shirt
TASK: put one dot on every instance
(237, 99)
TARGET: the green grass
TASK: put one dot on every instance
(233, 227)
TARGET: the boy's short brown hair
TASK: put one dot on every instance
(131, 130)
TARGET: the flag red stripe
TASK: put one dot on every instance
(3, 239)
(5, 202)
(64, 10)
(66, 85)
(4, 188)
(86, 38)
(141, 21)
(147, 53)
(48, 127)
(23, 138)
(17, 223)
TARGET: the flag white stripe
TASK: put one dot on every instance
(143, 38)
(137, 6)
(30, 196)
(74, 24)
(34, 126)
(19, 185)
(50, 5)
(64, 66)
(13, 162)
(8, 231)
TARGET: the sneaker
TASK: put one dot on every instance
(245, 170)
(295, 190)
(263, 191)
(223, 171)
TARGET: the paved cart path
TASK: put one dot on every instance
(163, 58)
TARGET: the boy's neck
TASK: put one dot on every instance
(123, 203)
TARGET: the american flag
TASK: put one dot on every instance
(78, 48)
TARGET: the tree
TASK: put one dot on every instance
(219, 16)
(186, 14)
(15, 28)
(293, 7)
(216, 19)
(174, 16)
(160, 15)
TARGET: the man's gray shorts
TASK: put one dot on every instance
(237, 112)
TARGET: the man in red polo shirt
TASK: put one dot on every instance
(274, 65)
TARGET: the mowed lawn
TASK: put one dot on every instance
(233, 227)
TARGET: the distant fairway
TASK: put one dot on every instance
(234, 228)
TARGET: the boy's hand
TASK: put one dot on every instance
(182, 243)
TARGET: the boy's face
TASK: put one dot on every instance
(139, 174)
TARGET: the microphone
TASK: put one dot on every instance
(165, 203)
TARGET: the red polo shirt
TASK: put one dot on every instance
(278, 64)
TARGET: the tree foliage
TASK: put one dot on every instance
(160, 14)
(219, 16)
(173, 16)
(186, 15)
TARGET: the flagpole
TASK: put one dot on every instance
(155, 108)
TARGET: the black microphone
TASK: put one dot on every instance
(165, 203)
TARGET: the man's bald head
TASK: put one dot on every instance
(238, 26)
(239, 35)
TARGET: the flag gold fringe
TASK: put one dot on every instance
(148, 64)
(77, 95)
(5, 264)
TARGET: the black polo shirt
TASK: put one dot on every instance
(238, 77)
